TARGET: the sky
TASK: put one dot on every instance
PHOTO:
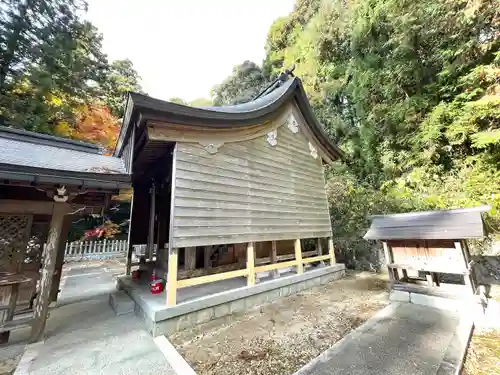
(182, 48)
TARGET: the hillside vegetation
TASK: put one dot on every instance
(410, 90)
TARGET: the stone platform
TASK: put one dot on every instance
(202, 303)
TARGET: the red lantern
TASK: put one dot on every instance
(157, 286)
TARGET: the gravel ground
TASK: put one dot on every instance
(483, 355)
(281, 337)
(8, 365)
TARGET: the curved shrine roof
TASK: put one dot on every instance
(141, 108)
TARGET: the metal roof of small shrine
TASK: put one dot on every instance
(444, 224)
(43, 158)
(141, 108)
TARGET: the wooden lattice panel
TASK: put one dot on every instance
(13, 237)
(31, 260)
(38, 236)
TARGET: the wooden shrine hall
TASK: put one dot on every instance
(44, 182)
(427, 252)
(227, 192)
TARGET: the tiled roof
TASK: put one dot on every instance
(27, 149)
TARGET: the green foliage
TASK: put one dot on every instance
(177, 100)
(201, 102)
(410, 91)
(121, 78)
(246, 81)
(52, 66)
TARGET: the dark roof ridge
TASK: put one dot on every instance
(482, 208)
(48, 140)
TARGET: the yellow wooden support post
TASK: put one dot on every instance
(331, 251)
(172, 276)
(298, 257)
(251, 263)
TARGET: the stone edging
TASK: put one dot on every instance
(454, 357)
(29, 355)
(355, 334)
(174, 359)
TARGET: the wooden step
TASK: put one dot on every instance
(16, 324)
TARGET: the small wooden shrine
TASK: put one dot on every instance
(44, 182)
(225, 192)
(427, 252)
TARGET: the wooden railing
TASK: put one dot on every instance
(88, 248)
(251, 270)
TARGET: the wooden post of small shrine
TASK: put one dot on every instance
(251, 263)
(173, 254)
(298, 257)
(274, 259)
(41, 305)
(389, 258)
(468, 280)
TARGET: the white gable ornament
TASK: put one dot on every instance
(292, 124)
(61, 195)
(272, 137)
(212, 148)
(314, 152)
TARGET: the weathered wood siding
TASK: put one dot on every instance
(433, 252)
(249, 191)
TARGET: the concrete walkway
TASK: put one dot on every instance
(402, 339)
(83, 335)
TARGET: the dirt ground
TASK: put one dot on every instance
(281, 337)
(483, 355)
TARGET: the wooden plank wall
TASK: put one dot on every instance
(420, 251)
(249, 191)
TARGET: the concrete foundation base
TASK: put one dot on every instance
(203, 303)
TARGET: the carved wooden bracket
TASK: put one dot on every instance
(292, 124)
(272, 137)
(211, 148)
(61, 194)
(314, 152)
